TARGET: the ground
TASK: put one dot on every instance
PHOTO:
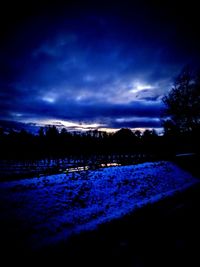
(163, 234)
(166, 229)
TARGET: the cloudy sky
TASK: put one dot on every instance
(93, 64)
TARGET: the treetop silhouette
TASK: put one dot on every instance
(183, 102)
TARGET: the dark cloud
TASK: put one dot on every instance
(9, 126)
(93, 62)
(103, 113)
(137, 124)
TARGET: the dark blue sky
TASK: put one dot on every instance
(93, 64)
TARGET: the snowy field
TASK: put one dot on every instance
(50, 209)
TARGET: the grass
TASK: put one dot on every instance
(163, 234)
(166, 233)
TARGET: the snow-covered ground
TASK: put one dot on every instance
(49, 209)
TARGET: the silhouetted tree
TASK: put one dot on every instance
(170, 128)
(182, 127)
(138, 134)
(41, 132)
(52, 143)
(52, 132)
(124, 141)
(183, 102)
(149, 140)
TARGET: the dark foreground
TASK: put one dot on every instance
(166, 233)
(163, 234)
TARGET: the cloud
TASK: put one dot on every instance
(104, 113)
(148, 123)
(92, 65)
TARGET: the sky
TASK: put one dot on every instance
(93, 64)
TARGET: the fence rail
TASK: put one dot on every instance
(13, 169)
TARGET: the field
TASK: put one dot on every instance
(40, 214)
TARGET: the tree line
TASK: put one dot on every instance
(52, 143)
